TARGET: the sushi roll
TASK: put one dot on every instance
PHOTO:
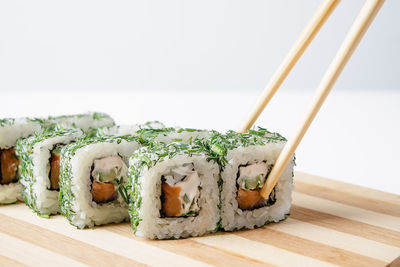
(10, 131)
(87, 122)
(39, 157)
(173, 191)
(246, 161)
(169, 135)
(153, 131)
(93, 176)
(119, 130)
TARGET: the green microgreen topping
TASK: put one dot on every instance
(218, 149)
(186, 198)
(122, 190)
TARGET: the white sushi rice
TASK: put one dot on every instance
(46, 199)
(88, 213)
(9, 134)
(10, 193)
(182, 137)
(128, 129)
(20, 128)
(152, 225)
(123, 129)
(86, 122)
(234, 218)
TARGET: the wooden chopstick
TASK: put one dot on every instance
(348, 46)
(314, 25)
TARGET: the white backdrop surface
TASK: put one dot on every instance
(185, 44)
(355, 137)
(202, 64)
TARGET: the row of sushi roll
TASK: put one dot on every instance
(35, 132)
(209, 183)
(169, 182)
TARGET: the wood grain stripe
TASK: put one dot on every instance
(355, 244)
(352, 227)
(61, 244)
(331, 223)
(195, 250)
(100, 238)
(5, 261)
(346, 211)
(32, 255)
(352, 189)
(257, 250)
(364, 202)
(395, 263)
(308, 248)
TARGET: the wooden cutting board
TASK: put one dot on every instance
(330, 223)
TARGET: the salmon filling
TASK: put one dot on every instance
(172, 205)
(9, 166)
(249, 199)
(103, 192)
(180, 192)
(251, 178)
(54, 174)
(106, 175)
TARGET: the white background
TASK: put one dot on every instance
(203, 64)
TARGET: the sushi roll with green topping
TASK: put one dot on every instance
(10, 131)
(87, 122)
(93, 177)
(173, 191)
(169, 135)
(40, 156)
(119, 130)
(246, 161)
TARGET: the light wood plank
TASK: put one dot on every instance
(188, 247)
(347, 211)
(352, 227)
(337, 239)
(323, 229)
(395, 263)
(308, 248)
(342, 187)
(5, 261)
(365, 202)
(101, 238)
(61, 244)
(32, 255)
(257, 250)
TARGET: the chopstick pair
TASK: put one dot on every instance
(348, 46)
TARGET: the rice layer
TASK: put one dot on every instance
(234, 218)
(10, 131)
(75, 183)
(235, 150)
(34, 153)
(147, 166)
